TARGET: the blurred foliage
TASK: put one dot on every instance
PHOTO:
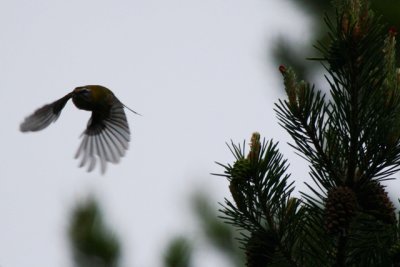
(178, 253)
(93, 244)
(292, 54)
(214, 232)
(218, 234)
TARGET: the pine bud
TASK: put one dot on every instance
(255, 147)
(345, 23)
(355, 19)
(291, 84)
(282, 69)
(340, 208)
(302, 93)
(389, 53)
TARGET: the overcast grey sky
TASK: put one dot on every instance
(197, 70)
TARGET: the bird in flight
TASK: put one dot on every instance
(107, 135)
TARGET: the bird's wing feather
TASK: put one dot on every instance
(106, 138)
(44, 116)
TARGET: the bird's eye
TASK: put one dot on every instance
(84, 91)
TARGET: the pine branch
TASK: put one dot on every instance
(341, 254)
(351, 139)
(262, 203)
(306, 121)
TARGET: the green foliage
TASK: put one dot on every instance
(351, 140)
(93, 244)
(262, 204)
(294, 54)
(217, 233)
(178, 253)
(213, 232)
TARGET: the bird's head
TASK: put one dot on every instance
(83, 98)
(90, 97)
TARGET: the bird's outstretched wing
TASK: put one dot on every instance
(44, 116)
(106, 138)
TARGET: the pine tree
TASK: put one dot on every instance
(351, 140)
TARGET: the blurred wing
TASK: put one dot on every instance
(106, 138)
(43, 116)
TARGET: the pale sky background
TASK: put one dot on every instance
(199, 72)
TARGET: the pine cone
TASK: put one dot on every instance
(340, 208)
(260, 249)
(255, 147)
(375, 200)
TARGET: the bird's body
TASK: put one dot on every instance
(107, 134)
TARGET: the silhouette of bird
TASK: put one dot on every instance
(107, 134)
